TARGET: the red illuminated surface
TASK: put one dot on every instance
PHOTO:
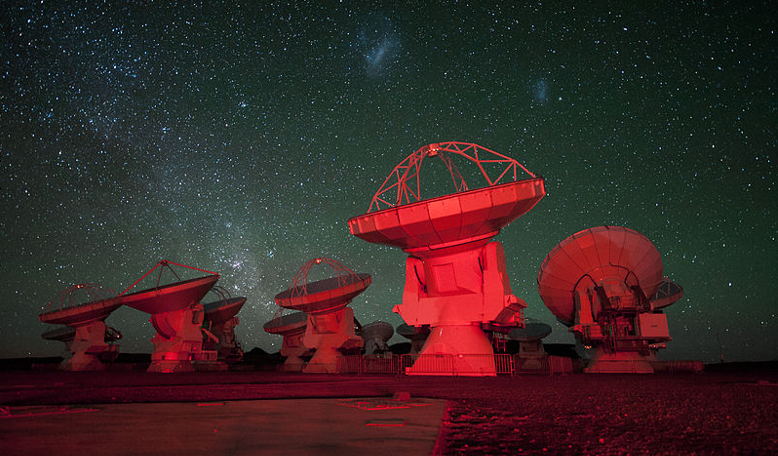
(67, 310)
(292, 328)
(219, 322)
(286, 324)
(330, 325)
(323, 295)
(83, 308)
(596, 255)
(456, 280)
(176, 314)
(170, 297)
(721, 411)
(600, 283)
(222, 311)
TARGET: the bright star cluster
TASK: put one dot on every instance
(239, 137)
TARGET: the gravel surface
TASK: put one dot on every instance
(710, 413)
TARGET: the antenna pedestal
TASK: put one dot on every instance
(176, 314)
(178, 340)
(328, 333)
(293, 349)
(606, 284)
(330, 323)
(87, 347)
(229, 349)
(455, 279)
(457, 350)
(455, 291)
(219, 327)
(83, 308)
(220, 338)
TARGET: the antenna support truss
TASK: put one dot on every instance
(344, 275)
(402, 186)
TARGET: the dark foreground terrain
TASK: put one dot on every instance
(717, 412)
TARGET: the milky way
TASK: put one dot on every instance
(239, 138)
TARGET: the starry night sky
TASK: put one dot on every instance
(239, 137)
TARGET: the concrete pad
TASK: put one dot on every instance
(269, 427)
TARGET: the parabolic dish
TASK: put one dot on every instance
(67, 310)
(171, 297)
(324, 295)
(62, 334)
(530, 332)
(286, 323)
(378, 329)
(222, 310)
(85, 313)
(668, 293)
(599, 253)
(452, 219)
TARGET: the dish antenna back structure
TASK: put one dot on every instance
(455, 278)
(292, 327)
(83, 308)
(603, 283)
(330, 325)
(176, 314)
(376, 335)
(219, 324)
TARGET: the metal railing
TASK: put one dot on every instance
(356, 364)
(455, 365)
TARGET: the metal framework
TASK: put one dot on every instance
(404, 178)
(165, 264)
(80, 294)
(344, 275)
(223, 294)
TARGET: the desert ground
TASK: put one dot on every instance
(720, 411)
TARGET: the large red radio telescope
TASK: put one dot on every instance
(604, 283)
(176, 314)
(455, 280)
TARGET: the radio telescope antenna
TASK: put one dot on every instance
(456, 282)
(330, 325)
(598, 283)
(292, 327)
(376, 335)
(219, 325)
(84, 308)
(532, 356)
(416, 334)
(176, 314)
